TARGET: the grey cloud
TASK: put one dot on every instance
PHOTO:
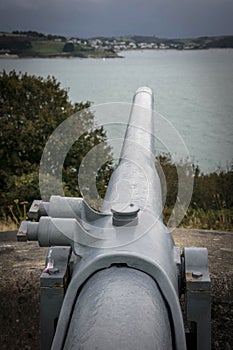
(168, 18)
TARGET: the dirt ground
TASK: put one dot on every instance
(21, 265)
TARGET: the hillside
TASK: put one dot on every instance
(33, 44)
(190, 43)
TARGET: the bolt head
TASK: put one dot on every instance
(125, 214)
(125, 209)
(197, 274)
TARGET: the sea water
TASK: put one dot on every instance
(193, 93)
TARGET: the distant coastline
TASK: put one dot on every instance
(93, 56)
(32, 44)
(103, 57)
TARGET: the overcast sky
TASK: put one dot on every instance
(87, 18)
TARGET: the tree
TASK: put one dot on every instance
(68, 47)
(31, 108)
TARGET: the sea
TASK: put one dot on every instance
(193, 97)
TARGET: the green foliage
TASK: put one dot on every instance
(34, 34)
(14, 45)
(30, 110)
(211, 219)
(68, 47)
(45, 47)
(213, 191)
(221, 42)
(211, 205)
(30, 33)
(171, 178)
(87, 143)
(210, 191)
(34, 44)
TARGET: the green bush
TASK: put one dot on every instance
(211, 205)
(30, 110)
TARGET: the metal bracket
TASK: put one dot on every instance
(53, 284)
(197, 294)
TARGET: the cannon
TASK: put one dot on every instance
(114, 279)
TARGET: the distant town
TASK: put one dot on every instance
(34, 44)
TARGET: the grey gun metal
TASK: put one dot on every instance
(114, 279)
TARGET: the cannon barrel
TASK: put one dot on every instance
(135, 180)
(120, 287)
(122, 307)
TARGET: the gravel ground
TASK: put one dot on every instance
(21, 265)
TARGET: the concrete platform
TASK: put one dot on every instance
(22, 263)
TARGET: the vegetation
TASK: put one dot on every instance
(30, 110)
(33, 44)
(35, 34)
(44, 47)
(211, 206)
(195, 43)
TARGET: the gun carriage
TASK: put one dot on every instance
(113, 279)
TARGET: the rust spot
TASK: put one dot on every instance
(21, 233)
(189, 276)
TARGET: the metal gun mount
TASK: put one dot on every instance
(114, 279)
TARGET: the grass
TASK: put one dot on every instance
(221, 220)
(52, 48)
(18, 213)
(8, 224)
(47, 47)
(210, 219)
